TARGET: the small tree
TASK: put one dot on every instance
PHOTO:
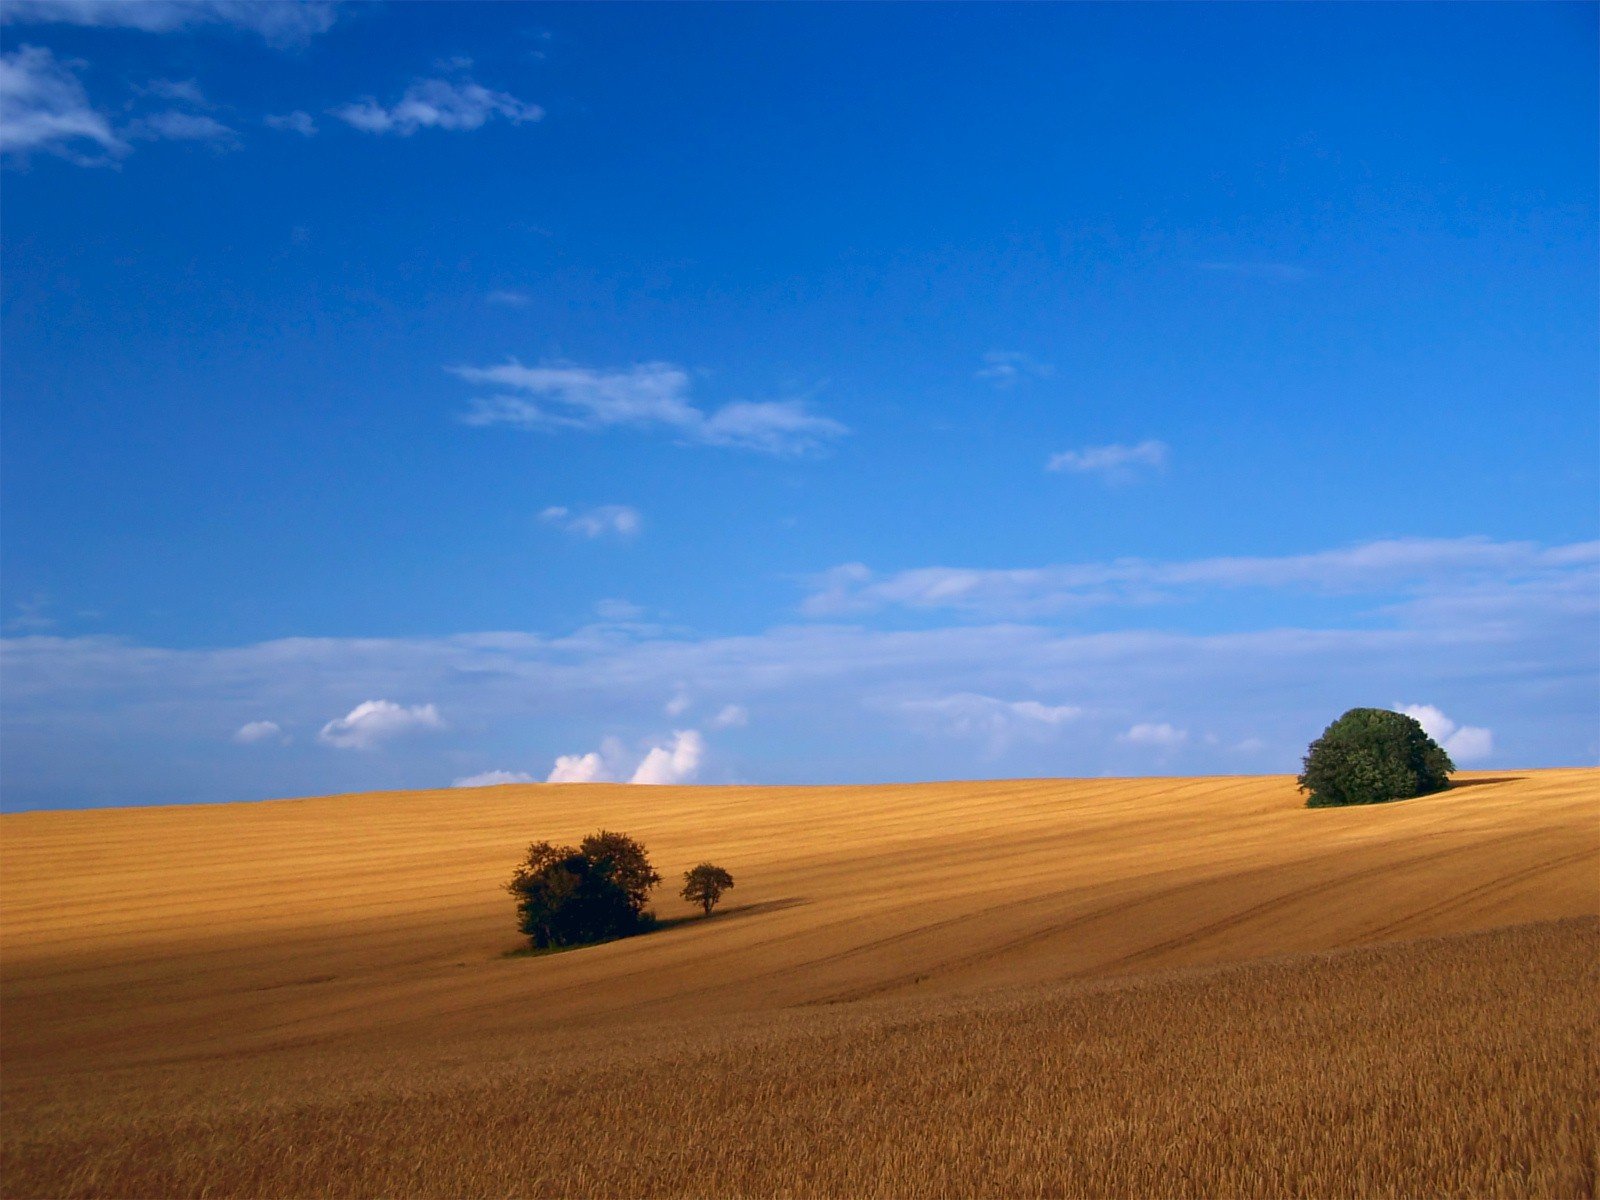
(1371, 755)
(568, 896)
(704, 885)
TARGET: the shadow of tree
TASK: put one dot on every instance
(1466, 783)
(731, 912)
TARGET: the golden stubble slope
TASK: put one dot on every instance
(152, 938)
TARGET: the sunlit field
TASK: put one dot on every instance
(1041, 987)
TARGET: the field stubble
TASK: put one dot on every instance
(1018, 989)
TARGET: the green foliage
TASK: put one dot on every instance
(569, 896)
(705, 884)
(1371, 755)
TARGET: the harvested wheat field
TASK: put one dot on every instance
(1041, 987)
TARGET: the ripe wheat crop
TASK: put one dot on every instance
(1110, 987)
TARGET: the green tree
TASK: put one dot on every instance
(704, 885)
(569, 896)
(1371, 755)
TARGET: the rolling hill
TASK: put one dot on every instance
(189, 993)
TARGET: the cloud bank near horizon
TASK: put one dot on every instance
(1498, 635)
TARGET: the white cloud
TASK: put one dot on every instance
(44, 108)
(645, 396)
(1504, 630)
(616, 519)
(614, 609)
(176, 125)
(509, 297)
(373, 722)
(1006, 368)
(257, 731)
(678, 705)
(437, 104)
(1162, 735)
(677, 762)
(998, 722)
(492, 778)
(179, 91)
(280, 22)
(578, 768)
(1114, 463)
(298, 121)
(1438, 571)
(1463, 743)
(731, 716)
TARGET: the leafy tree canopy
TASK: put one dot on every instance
(593, 892)
(1370, 755)
(705, 884)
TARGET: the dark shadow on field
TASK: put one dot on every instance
(736, 910)
(1466, 783)
(717, 915)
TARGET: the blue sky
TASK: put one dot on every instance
(399, 394)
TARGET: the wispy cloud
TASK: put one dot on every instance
(654, 395)
(175, 125)
(1443, 573)
(1282, 271)
(1006, 368)
(297, 121)
(618, 520)
(1160, 735)
(373, 722)
(178, 91)
(279, 22)
(1114, 463)
(43, 108)
(997, 722)
(437, 104)
(1504, 630)
(509, 298)
(492, 779)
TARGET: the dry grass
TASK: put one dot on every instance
(934, 989)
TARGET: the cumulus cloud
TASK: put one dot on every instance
(579, 768)
(678, 705)
(676, 762)
(457, 105)
(492, 778)
(1113, 463)
(1006, 368)
(44, 108)
(298, 121)
(614, 519)
(1439, 572)
(654, 395)
(373, 722)
(1463, 743)
(257, 731)
(1162, 735)
(279, 22)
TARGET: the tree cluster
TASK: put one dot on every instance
(597, 890)
(1371, 755)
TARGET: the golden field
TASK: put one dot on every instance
(1041, 987)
